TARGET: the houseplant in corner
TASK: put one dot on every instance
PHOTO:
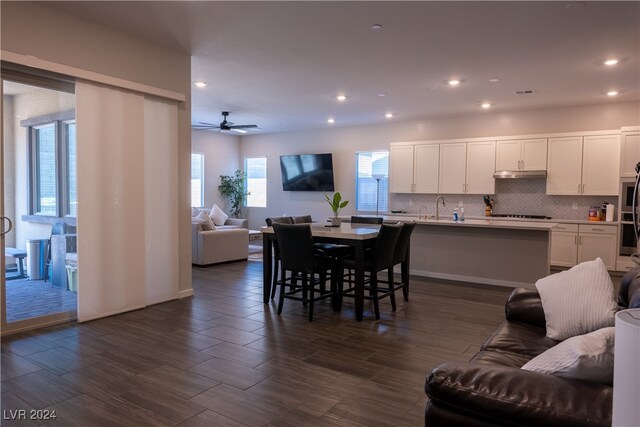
(336, 205)
(233, 188)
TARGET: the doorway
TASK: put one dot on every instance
(39, 186)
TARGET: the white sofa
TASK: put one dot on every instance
(228, 242)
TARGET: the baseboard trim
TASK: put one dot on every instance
(470, 279)
(186, 293)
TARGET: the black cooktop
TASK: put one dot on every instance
(520, 216)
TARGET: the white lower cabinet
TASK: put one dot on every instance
(572, 244)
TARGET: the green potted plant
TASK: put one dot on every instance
(233, 187)
(336, 204)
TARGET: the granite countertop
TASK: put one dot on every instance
(478, 223)
(552, 220)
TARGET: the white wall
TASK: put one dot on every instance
(344, 142)
(35, 29)
(221, 157)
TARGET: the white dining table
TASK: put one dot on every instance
(359, 236)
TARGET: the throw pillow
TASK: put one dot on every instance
(204, 220)
(577, 301)
(218, 216)
(194, 212)
(584, 357)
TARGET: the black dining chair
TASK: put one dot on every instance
(304, 262)
(366, 219)
(276, 250)
(304, 219)
(401, 256)
(379, 258)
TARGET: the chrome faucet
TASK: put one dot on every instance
(438, 206)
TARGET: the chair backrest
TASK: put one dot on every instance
(366, 220)
(296, 246)
(278, 220)
(402, 245)
(304, 219)
(385, 245)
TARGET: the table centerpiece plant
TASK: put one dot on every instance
(336, 204)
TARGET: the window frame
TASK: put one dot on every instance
(266, 181)
(59, 120)
(356, 192)
(202, 164)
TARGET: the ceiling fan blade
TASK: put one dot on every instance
(204, 127)
(207, 124)
(244, 127)
(235, 129)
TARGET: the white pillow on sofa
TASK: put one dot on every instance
(218, 216)
(194, 212)
(584, 357)
(204, 220)
(577, 301)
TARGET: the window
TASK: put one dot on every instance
(256, 170)
(369, 166)
(53, 179)
(197, 180)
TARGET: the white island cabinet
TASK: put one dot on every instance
(494, 252)
(572, 244)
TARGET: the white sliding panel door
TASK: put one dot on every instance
(161, 199)
(111, 188)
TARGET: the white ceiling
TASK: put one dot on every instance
(281, 64)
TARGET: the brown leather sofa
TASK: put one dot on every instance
(491, 389)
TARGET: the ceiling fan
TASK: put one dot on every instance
(225, 125)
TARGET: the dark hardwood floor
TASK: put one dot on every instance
(222, 358)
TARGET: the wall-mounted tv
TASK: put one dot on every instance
(307, 172)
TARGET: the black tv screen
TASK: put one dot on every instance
(307, 172)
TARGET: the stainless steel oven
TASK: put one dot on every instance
(626, 194)
(628, 240)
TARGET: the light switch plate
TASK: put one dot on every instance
(574, 206)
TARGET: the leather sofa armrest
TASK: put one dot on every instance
(242, 223)
(525, 305)
(511, 396)
(629, 295)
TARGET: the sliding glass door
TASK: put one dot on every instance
(39, 197)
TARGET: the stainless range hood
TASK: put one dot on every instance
(520, 174)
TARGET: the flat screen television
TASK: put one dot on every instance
(307, 172)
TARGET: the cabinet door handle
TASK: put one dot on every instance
(598, 229)
(575, 239)
(8, 229)
(582, 188)
(581, 240)
(579, 187)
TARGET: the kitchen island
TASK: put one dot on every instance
(494, 252)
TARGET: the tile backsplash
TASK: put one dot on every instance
(514, 196)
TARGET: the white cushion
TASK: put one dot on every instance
(218, 216)
(584, 357)
(577, 301)
(194, 212)
(204, 220)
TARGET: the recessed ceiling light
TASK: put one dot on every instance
(388, 115)
(612, 93)
(381, 94)
(330, 120)
(454, 82)
(494, 80)
(376, 27)
(611, 61)
(486, 105)
(200, 84)
(341, 97)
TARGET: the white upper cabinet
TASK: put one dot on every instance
(453, 164)
(564, 166)
(426, 168)
(534, 154)
(584, 165)
(630, 153)
(401, 169)
(481, 162)
(521, 154)
(601, 165)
